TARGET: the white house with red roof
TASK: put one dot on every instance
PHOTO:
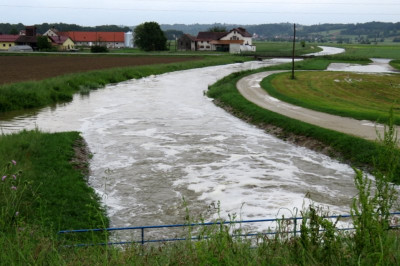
(235, 41)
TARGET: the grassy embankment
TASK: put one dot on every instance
(354, 150)
(24, 95)
(395, 64)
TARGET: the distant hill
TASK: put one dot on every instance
(6, 28)
(361, 32)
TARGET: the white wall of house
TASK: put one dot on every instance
(234, 35)
(50, 32)
(205, 46)
(108, 44)
(234, 48)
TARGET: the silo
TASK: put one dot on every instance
(128, 39)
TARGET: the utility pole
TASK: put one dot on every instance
(294, 45)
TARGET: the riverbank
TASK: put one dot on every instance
(33, 94)
(52, 189)
(353, 150)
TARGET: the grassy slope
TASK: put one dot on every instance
(58, 196)
(26, 95)
(395, 64)
(357, 151)
(345, 94)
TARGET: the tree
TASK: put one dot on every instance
(43, 43)
(14, 31)
(150, 37)
(217, 29)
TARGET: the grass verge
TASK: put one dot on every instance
(356, 151)
(25, 95)
(50, 185)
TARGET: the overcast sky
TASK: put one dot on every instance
(134, 12)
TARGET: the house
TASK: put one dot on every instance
(63, 43)
(7, 41)
(30, 37)
(235, 41)
(186, 42)
(51, 32)
(109, 39)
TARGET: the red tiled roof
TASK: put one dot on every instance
(84, 36)
(58, 39)
(8, 38)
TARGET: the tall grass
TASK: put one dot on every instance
(44, 187)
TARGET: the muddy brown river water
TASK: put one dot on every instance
(158, 140)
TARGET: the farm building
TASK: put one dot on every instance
(62, 43)
(109, 39)
(235, 41)
(29, 37)
(187, 42)
(7, 41)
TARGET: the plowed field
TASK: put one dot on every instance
(24, 68)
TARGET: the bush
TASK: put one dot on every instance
(99, 49)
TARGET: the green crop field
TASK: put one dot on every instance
(361, 96)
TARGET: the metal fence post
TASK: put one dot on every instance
(295, 226)
(142, 236)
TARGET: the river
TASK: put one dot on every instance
(158, 140)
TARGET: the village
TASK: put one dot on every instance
(234, 41)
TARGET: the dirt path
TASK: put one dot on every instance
(250, 88)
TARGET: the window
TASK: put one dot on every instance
(4, 45)
(208, 47)
(9, 45)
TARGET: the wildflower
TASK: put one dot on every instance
(14, 188)
(14, 162)
(16, 214)
(15, 178)
(3, 178)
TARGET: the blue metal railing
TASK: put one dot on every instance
(143, 228)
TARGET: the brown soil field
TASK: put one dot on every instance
(25, 68)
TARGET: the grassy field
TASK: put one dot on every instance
(360, 96)
(284, 48)
(371, 50)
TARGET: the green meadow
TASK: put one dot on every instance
(360, 96)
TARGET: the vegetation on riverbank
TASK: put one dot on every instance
(356, 151)
(26, 240)
(25, 95)
(49, 182)
(360, 96)
(395, 64)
